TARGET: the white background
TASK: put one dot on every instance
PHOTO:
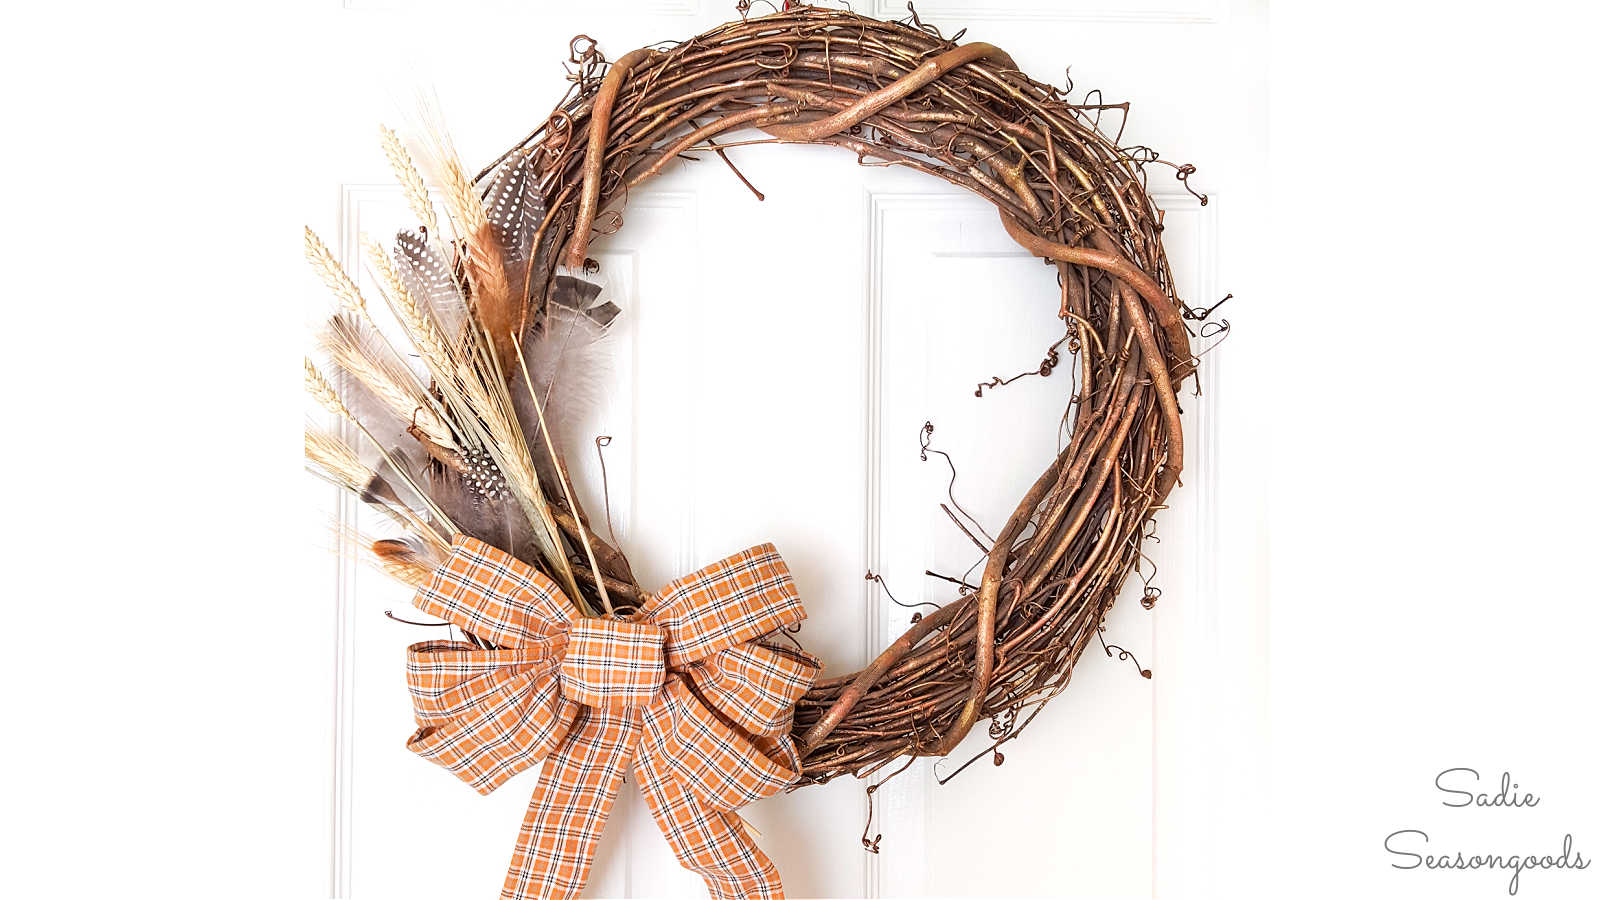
(1408, 402)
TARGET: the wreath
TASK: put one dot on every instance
(505, 310)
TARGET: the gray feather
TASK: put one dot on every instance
(500, 523)
(569, 359)
(431, 279)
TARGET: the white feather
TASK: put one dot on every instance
(570, 362)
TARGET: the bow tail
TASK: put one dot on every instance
(711, 842)
(570, 805)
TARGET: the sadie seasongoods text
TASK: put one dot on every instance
(1411, 848)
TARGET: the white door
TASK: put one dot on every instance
(822, 373)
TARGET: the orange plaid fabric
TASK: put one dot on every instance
(683, 694)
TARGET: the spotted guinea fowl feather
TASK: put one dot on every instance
(499, 255)
(514, 208)
(430, 278)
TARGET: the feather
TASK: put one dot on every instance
(574, 291)
(496, 305)
(493, 301)
(495, 520)
(515, 210)
(431, 280)
(384, 390)
(568, 357)
(500, 252)
(579, 292)
(405, 560)
(335, 460)
(394, 487)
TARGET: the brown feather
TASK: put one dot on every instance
(498, 311)
(402, 561)
(498, 255)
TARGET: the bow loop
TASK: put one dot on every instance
(494, 595)
(485, 715)
(715, 762)
(738, 599)
(756, 685)
(447, 678)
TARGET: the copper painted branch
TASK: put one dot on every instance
(1160, 373)
(864, 680)
(988, 593)
(871, 103)
(594, 161)
(1106, 259)
(1069, 588)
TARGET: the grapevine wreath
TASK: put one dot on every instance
(502, 307)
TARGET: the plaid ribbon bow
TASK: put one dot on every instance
(681, 691)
